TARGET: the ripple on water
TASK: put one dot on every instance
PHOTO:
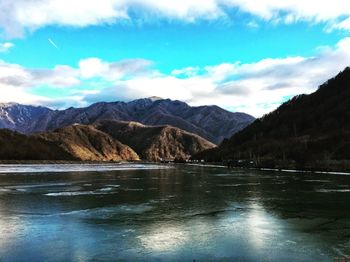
(238, 185)
(42, 185)
(133, 189)
(75, 193)
(317, 181)
(38, 188)
(106, 189)
(113, 186)
(223, 175)
(109, 212)
(333, 190)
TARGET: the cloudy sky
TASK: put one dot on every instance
(243, 55)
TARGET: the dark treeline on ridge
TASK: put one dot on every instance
(307, 132)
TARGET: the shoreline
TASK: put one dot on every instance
(38, 162)
(211, 165)
(271, 169)
(303, 171)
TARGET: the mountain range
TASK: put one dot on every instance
(210, 122)
(306, 132)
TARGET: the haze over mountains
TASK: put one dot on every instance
(307, 132)
(210, 122)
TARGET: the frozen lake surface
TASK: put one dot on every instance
(182, 213)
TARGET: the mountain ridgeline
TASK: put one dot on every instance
(307, 132)
(210, 122)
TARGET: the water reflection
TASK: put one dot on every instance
(259, 225)
(10, 228)
(164, 238)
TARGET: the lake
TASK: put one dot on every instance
(171, 213)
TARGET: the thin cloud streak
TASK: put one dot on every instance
(52, 43)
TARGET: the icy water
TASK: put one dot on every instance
(165, 213)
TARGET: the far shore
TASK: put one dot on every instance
(204, 164)
(38, 162)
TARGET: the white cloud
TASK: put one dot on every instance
(33, 14)
(345, 24)
(297, 9)
(19, 15)
(95, 67)
(92, 67)
(61, 76)
(253, 24)
(188, 71)
(15, 94)
(16, 76)
(5, 47)
(255, 88)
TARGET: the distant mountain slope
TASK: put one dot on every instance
(15, 146)
(155, 142)
(89, 144)
(210, 122)
(68, 143)
(307, 131)
(21, 118)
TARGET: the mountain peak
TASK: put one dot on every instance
(339, 82)
(9, 104)
(155, 98)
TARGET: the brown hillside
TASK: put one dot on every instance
(15, 146)
(87, 143)
(155, 143)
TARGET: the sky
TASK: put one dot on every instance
(243, 55)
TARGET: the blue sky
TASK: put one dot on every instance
(240, 55)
